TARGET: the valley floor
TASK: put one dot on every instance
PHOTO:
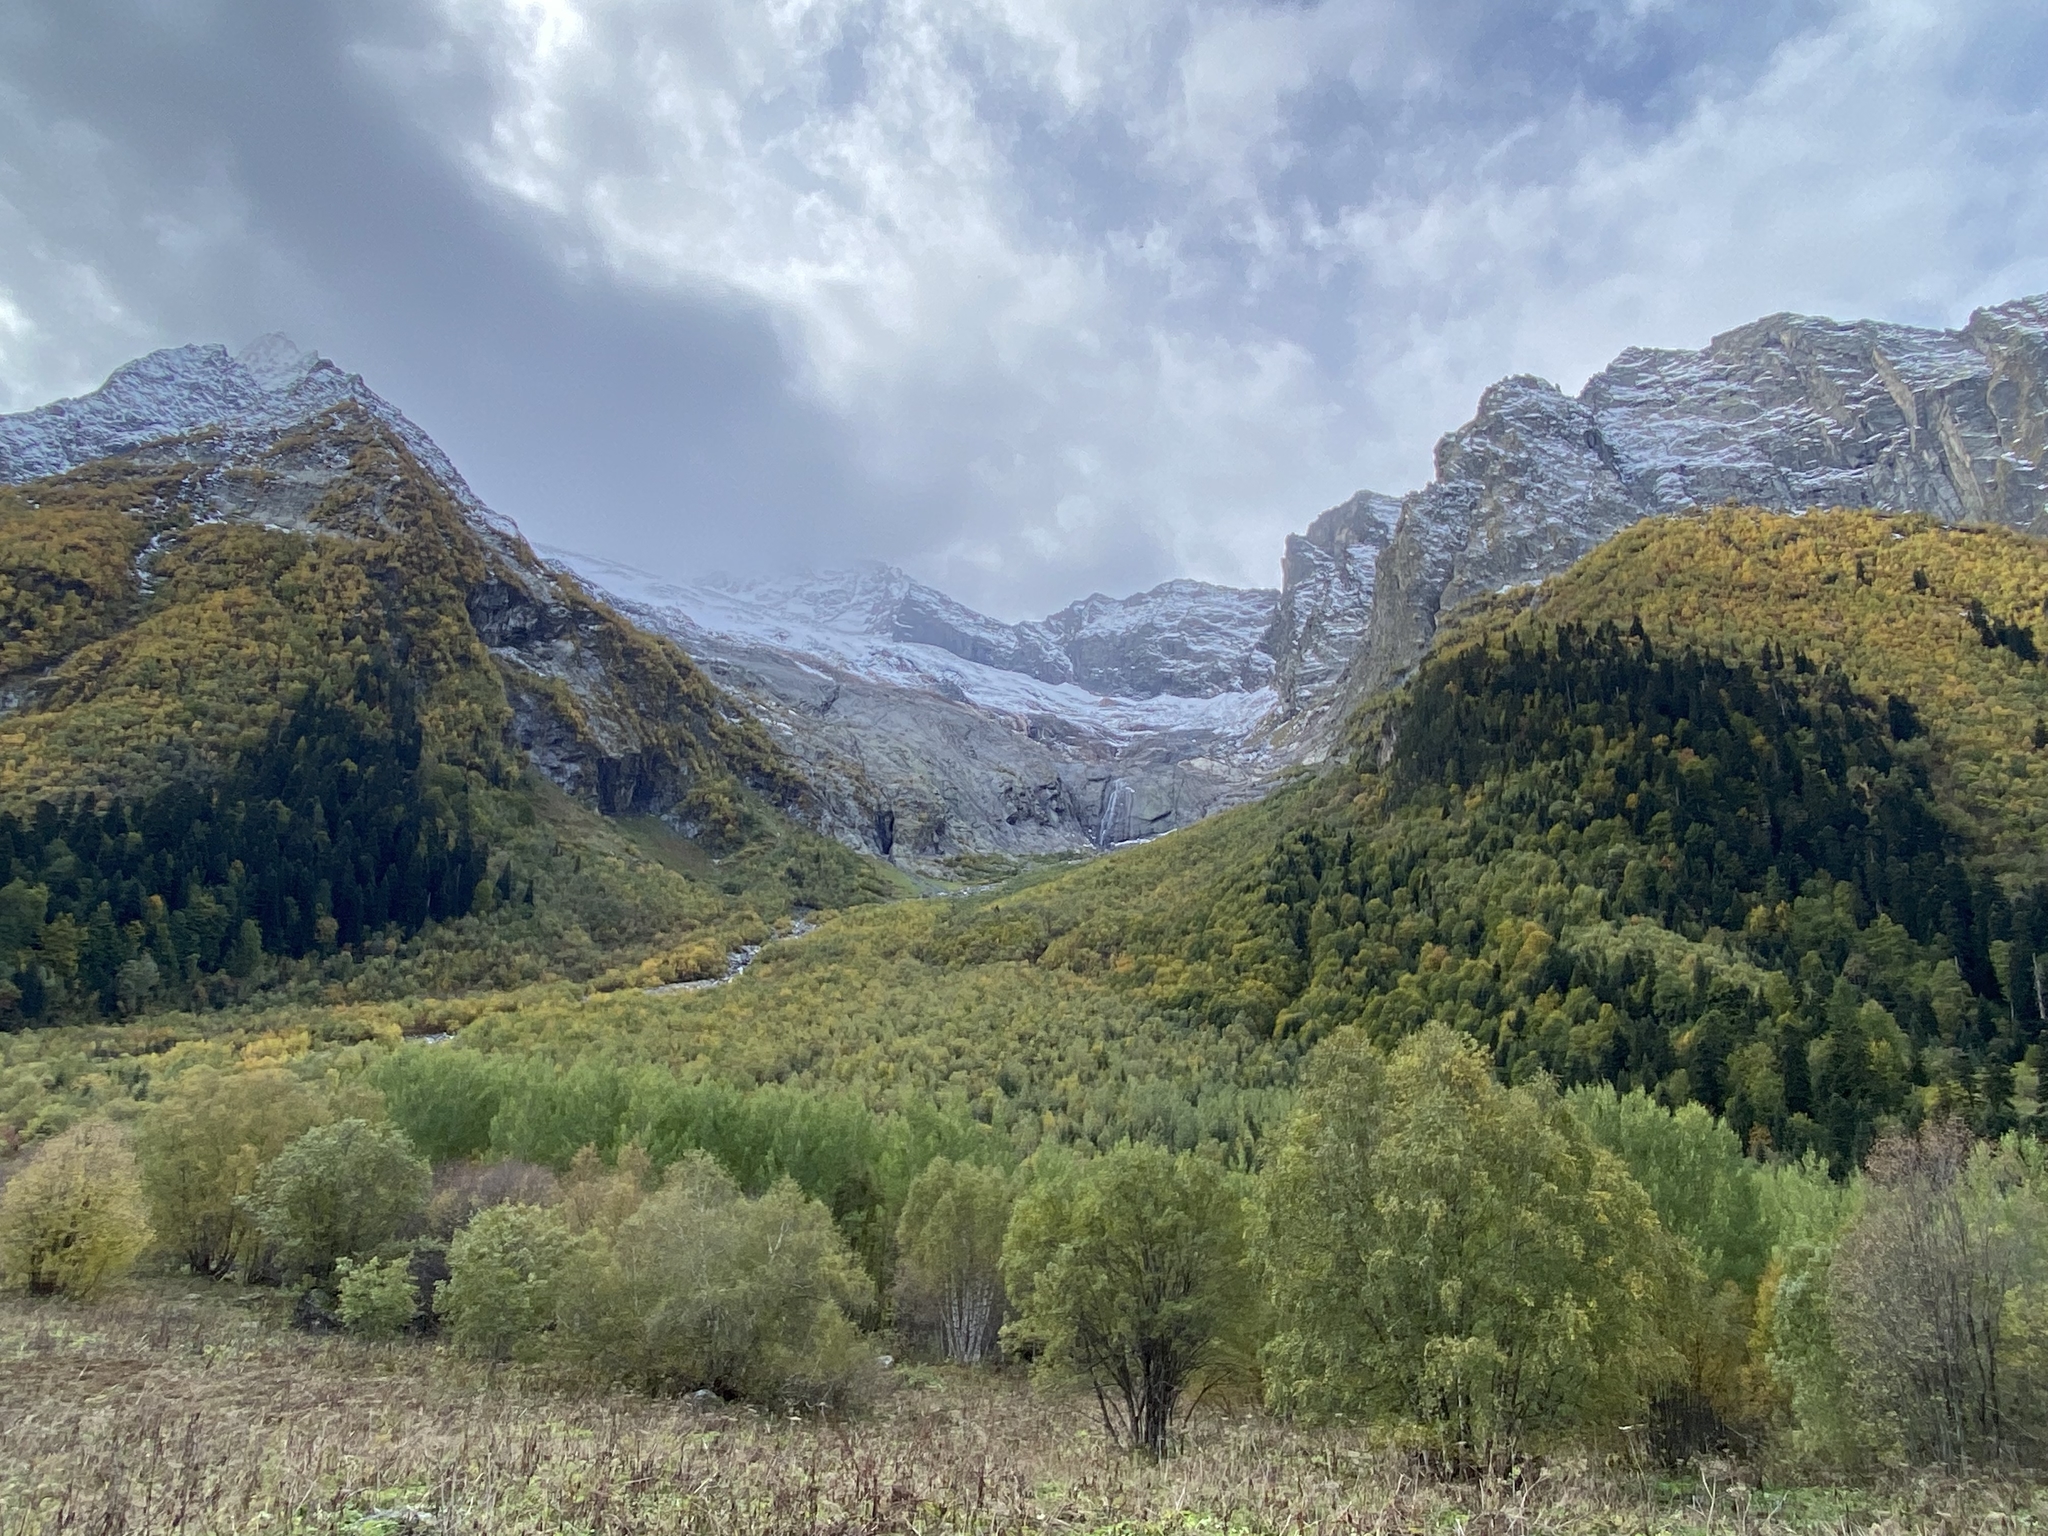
(178, 1406)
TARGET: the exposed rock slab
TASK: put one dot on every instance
(1790, 412)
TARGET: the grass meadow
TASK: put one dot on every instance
(169, 1407)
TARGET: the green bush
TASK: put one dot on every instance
(337, 1191)
(506, 1271)
(74, 1218)
(377, 1297)
(1708, 1196)
(708, 1289)
(1132, 1272)
(201, 1147)
(1456, 1261)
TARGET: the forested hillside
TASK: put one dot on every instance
(295, 721)
(1742, 810)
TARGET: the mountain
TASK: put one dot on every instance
(925, 732)
(1788, 412)
(933, 731)
(928, 731)
(284, 441)
(281, 702)
(1329, 577)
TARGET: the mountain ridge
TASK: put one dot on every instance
(287, 442)
(922, 745)
(930, 732)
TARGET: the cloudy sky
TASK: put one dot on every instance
(1033, 297)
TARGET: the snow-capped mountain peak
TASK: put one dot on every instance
(238, 400)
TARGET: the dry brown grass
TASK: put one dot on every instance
(172, 1408)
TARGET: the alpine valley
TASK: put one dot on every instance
(1624, 838)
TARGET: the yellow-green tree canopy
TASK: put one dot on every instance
(1455, 1260)
(709, 1289)
(74, 1218)
(949, 1254)
(201, 1147)
(1131, 1271)
(338, 1191)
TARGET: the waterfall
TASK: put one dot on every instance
(1116, 802)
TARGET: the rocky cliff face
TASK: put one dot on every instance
(1329, 576)
(1184, 638)
(927, 731)
(1790, 412)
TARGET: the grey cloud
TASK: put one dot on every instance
(1033, 298)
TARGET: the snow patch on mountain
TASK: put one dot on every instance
(854, 621)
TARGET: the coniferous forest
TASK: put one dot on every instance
(324, 834)
(1606, 1095)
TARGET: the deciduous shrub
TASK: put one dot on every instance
(1132, 1272)
(599, 1199)
(337, 1191)
(461, 1190)
(200, 1148)
(376, 1297)
(74, 1218)
(506, 1270)
(709, 1289)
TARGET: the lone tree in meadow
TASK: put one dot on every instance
(1132, 1272)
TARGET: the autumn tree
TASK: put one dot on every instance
(1132, 1272)
(1707, 1195)
(201, 1147)
(949, 1252)
(1456, 1260)
(1939, 1296)
(74, 1218)
(706, 1288)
